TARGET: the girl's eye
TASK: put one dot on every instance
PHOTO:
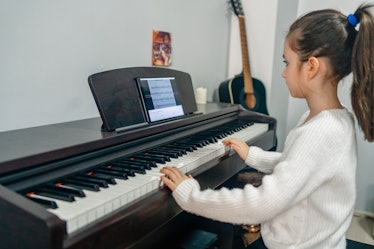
(285, 62)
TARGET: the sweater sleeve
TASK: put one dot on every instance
(306, 165)
(261, 160)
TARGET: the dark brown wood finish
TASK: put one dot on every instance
(27, 225)
(27, 148)
(147, 222)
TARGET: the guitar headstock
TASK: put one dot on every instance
(237, 7)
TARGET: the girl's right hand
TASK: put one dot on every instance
(238, 145)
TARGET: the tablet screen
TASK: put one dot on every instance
(161, 98)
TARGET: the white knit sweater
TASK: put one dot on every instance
(306, 200)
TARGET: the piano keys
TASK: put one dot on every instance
(79, 209)
(89, 189)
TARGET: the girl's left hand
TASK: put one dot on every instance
(173, 177)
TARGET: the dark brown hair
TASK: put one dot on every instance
(328, 33)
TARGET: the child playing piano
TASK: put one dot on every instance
(307, 196)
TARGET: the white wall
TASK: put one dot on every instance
(260, 17)
(49, 48)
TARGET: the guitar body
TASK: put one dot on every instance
(232, 91)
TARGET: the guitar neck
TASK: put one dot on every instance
(248, 84)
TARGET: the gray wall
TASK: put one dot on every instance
(49, 48)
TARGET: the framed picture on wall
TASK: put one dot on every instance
(161, 48)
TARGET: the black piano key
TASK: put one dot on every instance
(188, 147)
(169, 153)
(130, 165)
(129, 172)
(45, 203)
(203, 141)
(111, 172)
(150, 158)
(108, 179)
(180, 151)
(213, 140)
(137, 168)
(157, 155)
(247, 124)
(143, 163)
(156, 158)
(72, 191)
(151, 162)
(87, 178)
(101, 179)
(221, 136)
(197, 144)
(81, 185)
(55, 195)
(64, 195)
(199, 139)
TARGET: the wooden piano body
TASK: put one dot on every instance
(34, 156)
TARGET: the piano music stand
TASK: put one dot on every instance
(118, 100)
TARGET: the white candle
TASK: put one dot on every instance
(201, 93)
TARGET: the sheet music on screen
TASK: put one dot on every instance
(161, 98)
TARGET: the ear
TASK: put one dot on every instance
(313, 66)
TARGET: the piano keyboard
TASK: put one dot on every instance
(81, 199)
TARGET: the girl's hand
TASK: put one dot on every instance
(173, 177)
(239, 146)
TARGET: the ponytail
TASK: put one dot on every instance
(362, 92)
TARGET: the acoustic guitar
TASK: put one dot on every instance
(243, 89)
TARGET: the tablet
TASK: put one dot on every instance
(161, 98)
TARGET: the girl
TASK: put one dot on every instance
(307, 196)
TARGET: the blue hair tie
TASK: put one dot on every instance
(352, 20)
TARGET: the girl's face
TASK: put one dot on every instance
(293, 71)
